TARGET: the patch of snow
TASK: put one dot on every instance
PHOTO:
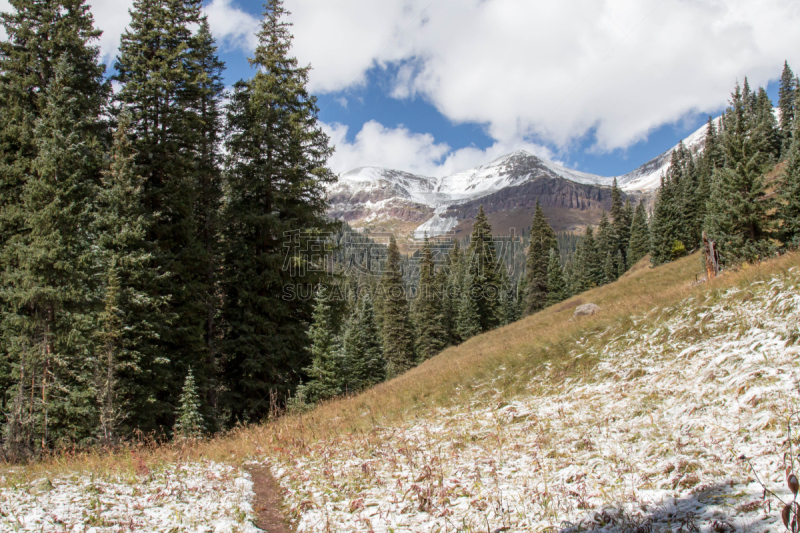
(197, 497)
(651, 436)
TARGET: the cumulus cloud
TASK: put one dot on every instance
(552, 70)
(231, 26)
(398, 148)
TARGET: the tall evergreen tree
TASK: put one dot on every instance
(542, 240)
(593, 262)
(398, 339)
(556, 286)
(484, 268)
(131, 306)
(160, 86)
(789, 206)
(786, 104)
(39, 36)
(275, 178)
(51, 291)
(738, 209)
(640, 235)
(325, 372)
(362, 350)
(621, 218)
(428, 308)
(468, 322)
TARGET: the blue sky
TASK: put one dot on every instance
(438, 86)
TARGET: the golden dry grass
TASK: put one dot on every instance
(504, 356)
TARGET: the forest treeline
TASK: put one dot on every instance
(465, 288)
(142, 228)
(145, 234)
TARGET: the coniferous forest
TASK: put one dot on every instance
(143, 235)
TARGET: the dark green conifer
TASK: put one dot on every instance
(737, 218)
(189, 421)
(398, 337)
(362, 350)
(469, 319)
(428, 308)
(326, 372)
(542, 240)
(556, 286)
(484, 269)
(275, 186)
(640, 236)
(789, 205)
(786, 104)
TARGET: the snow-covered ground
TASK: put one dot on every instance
(198, 497)
(649, 440)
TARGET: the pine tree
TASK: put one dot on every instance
(608, 245)
(621, 218)
(542, 240)
(789, 206)
(738, 209)
(45, 44)
(428, 308)
(556, 286)
(398, 338)
(51, 291)
(484, 268)
(275, 178)
(205, 101)
(362, 350)
(132, 307)
(766, 126)
(593, 262)
(640, 236)
(667, 223)
(325, 373)
(469, 319)
(189, 421)
(786, 104)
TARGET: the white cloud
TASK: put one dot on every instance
(231, 26)
(554, 70)
(399, 148)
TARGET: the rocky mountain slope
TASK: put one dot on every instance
(508, 187)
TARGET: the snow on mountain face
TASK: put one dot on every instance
(647, 177)
(368, 194)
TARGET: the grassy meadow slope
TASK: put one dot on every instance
(631, 418)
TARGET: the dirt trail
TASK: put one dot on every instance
(267, 502)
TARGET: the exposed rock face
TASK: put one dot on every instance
(557, 193)
(587, 310)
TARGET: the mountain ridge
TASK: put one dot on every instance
(383, 199)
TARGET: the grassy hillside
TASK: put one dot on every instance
(537, 422)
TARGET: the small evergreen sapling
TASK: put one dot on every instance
(189, 424)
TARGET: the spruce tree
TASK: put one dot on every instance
(325, 373)
(484, 268)
(428, 308)
(188, 420)
(159, 85)
(593, 262)
(362, 350)
(789, 205)
(275, 184)
(542, 240)
(398, 337)
(44, 41)
(766, 126)
(130, 303)
(608, 245)
(556, 286)
(51, 291)
(469, 319)
(737, 218)
(621, 218)
(640, 236)
(786, 104)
